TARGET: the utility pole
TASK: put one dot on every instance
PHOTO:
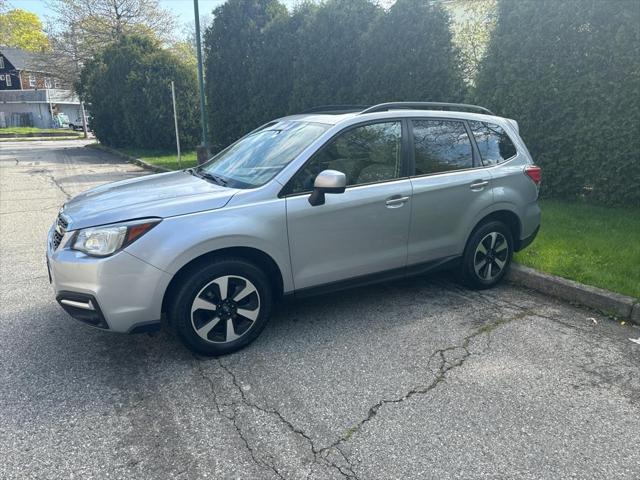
(203, 149)
(175, 121)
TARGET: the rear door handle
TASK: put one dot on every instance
(396, 201)
(479, 185)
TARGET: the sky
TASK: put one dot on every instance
(183, 9)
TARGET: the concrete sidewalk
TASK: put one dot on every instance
(413, 379)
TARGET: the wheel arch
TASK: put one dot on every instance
(509, 218)
(256, 256)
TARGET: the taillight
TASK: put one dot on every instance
(534, 173)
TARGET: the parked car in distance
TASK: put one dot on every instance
(77, 124)
(305, 204)
(61, 120)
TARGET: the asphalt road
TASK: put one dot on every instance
(414, 379)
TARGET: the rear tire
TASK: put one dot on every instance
(487, 256)
(221, 307)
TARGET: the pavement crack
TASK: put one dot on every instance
(317, 453)
(49, 175)
(444, 367)
(447, 359)
(233, 418)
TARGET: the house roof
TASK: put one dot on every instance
(19, 58)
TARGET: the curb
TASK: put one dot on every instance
(36, 135)
(597, 298)
(128, 158)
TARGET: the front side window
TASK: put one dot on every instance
(494, 144)
(32, 80)
(441, 146)
(1, 61)
(257, 158)
(8, 79)
(47, 82)
(367, 154)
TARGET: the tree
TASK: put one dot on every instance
(572, 84)
(100, 22)
(22, 29)
(128, 88)
(471, 33)
(407, 54)
(80, 29)
(329, 41)
(233, 45)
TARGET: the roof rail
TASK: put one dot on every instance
(336, 109)
(425, 106)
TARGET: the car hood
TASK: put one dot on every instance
(161, 195)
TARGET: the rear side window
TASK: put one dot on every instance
(494, 144)
(441, 146)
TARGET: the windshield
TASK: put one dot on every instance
(255, 159)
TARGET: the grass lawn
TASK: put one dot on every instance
(23, 130)
(599, 246)
(164, 159)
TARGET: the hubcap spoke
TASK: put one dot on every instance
(250, 314)
(205, 329)
(481, 248)
(494, 235)
(501, 247)
(223, 285)
(231, 332)
(479, 266)
(202, 304)
(500, 263)
(246, 291)
(487, 273)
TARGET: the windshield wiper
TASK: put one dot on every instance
(210, 176)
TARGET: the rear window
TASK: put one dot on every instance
(494, 144)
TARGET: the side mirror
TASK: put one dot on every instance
(327, 181)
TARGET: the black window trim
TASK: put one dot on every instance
(475, 153)
(473, 137)
(405, 150)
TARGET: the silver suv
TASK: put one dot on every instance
(305, 204)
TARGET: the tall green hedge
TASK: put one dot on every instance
(408, 54)
(264, 62)
(127, 88)
(569, 72)
(329, 42)
(238, 80)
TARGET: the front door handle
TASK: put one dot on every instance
(396, 201)
(479, 185)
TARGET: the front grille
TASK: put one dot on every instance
(59, 231)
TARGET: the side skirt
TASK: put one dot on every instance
(379, 277)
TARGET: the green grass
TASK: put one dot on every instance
(598, 246)
(23, 130)
(164, 159)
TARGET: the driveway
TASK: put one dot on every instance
(413, 379)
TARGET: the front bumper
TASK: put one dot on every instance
(120, 293)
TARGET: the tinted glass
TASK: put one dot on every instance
(441, 146)
(494, 144)
(364, 154)
(257, 158)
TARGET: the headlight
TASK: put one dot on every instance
(104, 241)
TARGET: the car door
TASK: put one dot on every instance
(450, 188)
(363, 230)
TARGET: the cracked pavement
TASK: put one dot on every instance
(413, 379)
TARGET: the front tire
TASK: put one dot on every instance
(221, 307)
(487, 256)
